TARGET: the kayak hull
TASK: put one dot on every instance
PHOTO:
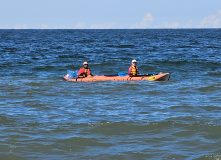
(158, 77)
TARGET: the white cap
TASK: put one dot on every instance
(85, 63)
(134, 61)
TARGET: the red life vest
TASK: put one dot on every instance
(83, 70)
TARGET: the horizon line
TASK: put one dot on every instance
(96, 28)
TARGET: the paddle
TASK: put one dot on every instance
(121, 74)
(72, 74)
(139, 75)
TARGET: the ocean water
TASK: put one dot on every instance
(44, 117)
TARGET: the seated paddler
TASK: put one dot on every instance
(85, 71)
(133, 70)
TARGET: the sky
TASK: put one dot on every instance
(109, 14)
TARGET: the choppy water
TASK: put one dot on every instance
(45, 117)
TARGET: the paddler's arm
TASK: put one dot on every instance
(129, 72)
(80, 72)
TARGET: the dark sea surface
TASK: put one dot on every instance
(44, 117)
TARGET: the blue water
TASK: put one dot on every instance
(44, 117)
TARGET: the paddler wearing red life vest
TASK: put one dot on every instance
(85, 71)
(133, 70)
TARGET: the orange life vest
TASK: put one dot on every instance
(87, 71)
(134, 70)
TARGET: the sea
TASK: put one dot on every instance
(42, 116)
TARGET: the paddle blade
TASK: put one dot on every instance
(122, 74)
(72, 74)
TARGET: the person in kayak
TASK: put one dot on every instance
(133, 70)
(85, 71)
